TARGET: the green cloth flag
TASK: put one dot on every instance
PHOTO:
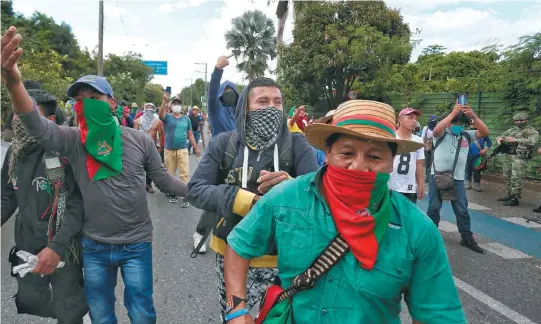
(100, 135)
(281, 313)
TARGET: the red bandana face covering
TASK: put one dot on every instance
(360, 205)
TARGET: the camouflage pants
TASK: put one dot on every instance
(257, 282)
(514, 170)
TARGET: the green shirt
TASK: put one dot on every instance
(411, 260)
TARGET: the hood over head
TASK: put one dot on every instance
(242, 110)
(225, 84)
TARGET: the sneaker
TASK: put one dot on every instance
(173, 199)
(184, 202)
(506, 198)
(511, 202)
(196, 240)
(467, 185)
(477, 187)
(470, 243)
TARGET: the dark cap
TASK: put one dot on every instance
(98, 83)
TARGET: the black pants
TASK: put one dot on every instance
(428, 164)
(149, 181)
(206, 222)
(471, 170)
(411, 196)
(60, 295)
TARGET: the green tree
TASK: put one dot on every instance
(127, 75)
(154, 93)
(522, 87)
(282, 10)
(192, 94)
(433, 50)
(252, 37)
(337, 44)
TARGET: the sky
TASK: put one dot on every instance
(186, 32)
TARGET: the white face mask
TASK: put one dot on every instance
(177, 109)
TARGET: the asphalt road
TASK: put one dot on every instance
(502, 286)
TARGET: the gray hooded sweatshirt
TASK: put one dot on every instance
(116, 210)
(211, 191)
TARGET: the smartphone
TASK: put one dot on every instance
(462, 100)
(168, 89)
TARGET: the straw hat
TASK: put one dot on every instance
(365, 119)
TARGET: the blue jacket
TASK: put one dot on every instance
(474, 151)
(221, 117)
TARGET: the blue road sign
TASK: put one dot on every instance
(158, 67)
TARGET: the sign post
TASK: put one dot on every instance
(158, 67)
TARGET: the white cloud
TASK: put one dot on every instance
(182, 57)
(474, 30)
(179, 5)
(112, 10)
(166, 7)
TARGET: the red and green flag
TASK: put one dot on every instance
(360, 205)
(100, 135)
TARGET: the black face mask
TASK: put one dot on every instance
(432, 125)
(229, 98)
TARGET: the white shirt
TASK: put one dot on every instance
(428, 132)
(404, 168)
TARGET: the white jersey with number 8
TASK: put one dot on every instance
(404, 169)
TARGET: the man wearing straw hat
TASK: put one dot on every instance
(387, 247)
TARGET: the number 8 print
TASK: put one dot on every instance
(404, 164)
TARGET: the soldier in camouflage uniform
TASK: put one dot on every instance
(522, 140)
(538, 209)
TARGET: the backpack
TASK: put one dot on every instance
(285, 155)
(285, 159)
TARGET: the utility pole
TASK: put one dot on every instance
(100, 44)
(206, 88)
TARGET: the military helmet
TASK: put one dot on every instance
(520, 116)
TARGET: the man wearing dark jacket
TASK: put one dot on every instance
(262, 153)
(222, 100)
(57, 294)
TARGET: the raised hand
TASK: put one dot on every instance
(11, 52)
(223, 61)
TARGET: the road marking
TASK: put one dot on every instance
(475, 206)
(504, 251)
(523, 222)
(492, 303)
(448, 227)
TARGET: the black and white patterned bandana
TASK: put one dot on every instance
(263, 127)
(22, 144)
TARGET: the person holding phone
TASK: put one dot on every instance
(450, 153)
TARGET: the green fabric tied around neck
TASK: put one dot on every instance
(101, 137)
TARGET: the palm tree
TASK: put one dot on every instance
(253, 38)
(282, 10)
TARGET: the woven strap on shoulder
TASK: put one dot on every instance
(329, 258)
